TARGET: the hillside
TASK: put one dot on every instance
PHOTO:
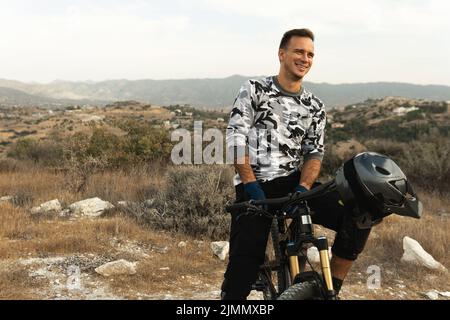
(213, 93)
(393, 118)
(159, 219)
(39, 123)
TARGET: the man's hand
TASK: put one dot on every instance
(300, 188)
(254, 191)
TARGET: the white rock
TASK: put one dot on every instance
(149, 202)
(445, 294)
(52, 206)
(414, 253)
(118, 267)
(220, 249)
(432, 295)
(314, 256)
(182, 244)
(92, 207)
(6, 199)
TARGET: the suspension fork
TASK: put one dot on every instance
(294, 266)
(322, 245)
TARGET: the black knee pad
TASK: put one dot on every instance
(350, 241)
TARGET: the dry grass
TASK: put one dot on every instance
(17, 285)
(23, 236)
(42, 185)
(190, 268)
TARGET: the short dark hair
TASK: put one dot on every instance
(295, 33)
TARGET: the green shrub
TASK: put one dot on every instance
(193, 202)
(45, 152)
(141, 144)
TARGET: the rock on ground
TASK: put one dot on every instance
(414, 253)
(220, 249)
(92, 207)
(52, 206)
(118, 267)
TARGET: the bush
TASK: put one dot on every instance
(141, 144)
(46, 153)
(331, 162)
(424, 161)
(193, 202)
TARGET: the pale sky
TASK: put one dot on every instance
(356, 40)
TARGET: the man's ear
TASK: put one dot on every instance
(281, 53)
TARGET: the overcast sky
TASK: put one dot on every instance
(356, 40)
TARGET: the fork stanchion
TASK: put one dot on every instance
(294, 266)
(322, 246)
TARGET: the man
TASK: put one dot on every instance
(292, 122)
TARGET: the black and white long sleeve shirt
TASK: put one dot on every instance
(276, 128)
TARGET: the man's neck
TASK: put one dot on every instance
(289, 85)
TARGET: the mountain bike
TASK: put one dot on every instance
(283, 275)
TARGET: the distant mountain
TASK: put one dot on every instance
(12, 97)
(214, 92)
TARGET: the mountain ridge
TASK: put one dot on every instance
(208, 92)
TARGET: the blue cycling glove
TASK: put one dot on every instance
(254, 191)
(300, 189)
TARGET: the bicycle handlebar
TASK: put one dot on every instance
(296, 197)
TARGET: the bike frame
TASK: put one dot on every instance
(296, 231)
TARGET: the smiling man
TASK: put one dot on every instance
(291, 121)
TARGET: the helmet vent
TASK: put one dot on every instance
(382, 170)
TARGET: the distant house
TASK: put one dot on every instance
(400, 111)
(189, 114)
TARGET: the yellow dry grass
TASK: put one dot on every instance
(23, 236)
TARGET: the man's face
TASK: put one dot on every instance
(297, 58)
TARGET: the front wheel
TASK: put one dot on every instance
(309, 290)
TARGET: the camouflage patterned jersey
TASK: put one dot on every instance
(276, 127)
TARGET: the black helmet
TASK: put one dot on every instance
(373, 186)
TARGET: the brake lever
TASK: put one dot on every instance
(253, 210)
